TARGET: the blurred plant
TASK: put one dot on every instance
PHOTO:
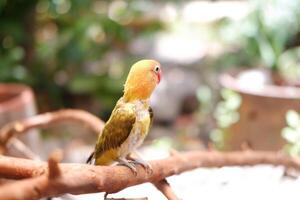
(204, 96)
(203, 115)
(164, 143)
(291, 133)
(289, 63)
(66, 49)
(259, 39)
(226, 114)
(264, 34)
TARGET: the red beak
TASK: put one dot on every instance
(158, 77)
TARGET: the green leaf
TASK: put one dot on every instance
(294, 150)
(293, 119)
(232, 99)
(290, 135)
(204, 95)
(216, 135)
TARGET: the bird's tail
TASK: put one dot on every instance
(90, 158)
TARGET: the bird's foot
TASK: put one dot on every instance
(128, 164)
(143, 163)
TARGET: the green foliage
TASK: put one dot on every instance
(226, 111)
(291, 133)
(71, 47)
(289, 63)
(163, 143)
(204, 96)
(226, 114)
(264, 34)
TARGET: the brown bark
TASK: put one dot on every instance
(53, 168)
(164, 187)
(48, 120)
(21, 148)
(44, 121)
(81, 178)
(46, 179)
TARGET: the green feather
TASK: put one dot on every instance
(150, 110)
(117, 128)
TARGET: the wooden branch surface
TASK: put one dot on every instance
(46, 179)
(81, 178)
(49, 119)
(164, 187)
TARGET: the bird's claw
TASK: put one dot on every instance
(129, 165)
(149, 169)
(144, 164)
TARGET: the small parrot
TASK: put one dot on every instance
(130, 120)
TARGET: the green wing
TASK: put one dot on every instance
(117, 129)
(150, 110)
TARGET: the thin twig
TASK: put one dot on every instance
(49, 119)
(164, 187)
(53, 168)
(20, 147)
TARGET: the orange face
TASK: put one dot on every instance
(142, 79)
(151, 66)
(157, 72)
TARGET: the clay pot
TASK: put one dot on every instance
(262, 111)
(17, 102)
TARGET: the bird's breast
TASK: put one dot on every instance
(143, 118)
(138, 132)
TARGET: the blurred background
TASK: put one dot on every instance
(231, 72)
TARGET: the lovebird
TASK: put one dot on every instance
(130, 120)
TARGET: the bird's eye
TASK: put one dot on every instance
(156, 69)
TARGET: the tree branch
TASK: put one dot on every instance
(49, 119)
(81, 178)
(43, 121)
(53, 168)
(46, 179)
(164, 187)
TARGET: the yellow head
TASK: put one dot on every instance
(143, 77)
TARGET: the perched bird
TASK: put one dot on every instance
(130, 120)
